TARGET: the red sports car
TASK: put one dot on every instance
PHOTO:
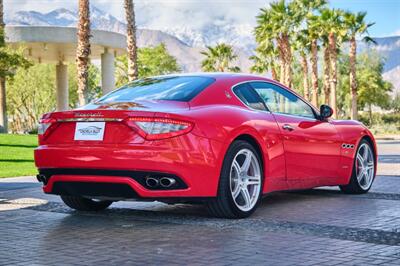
(224, 140)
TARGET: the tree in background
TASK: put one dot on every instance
(266, 59)
(302, 46)
(219, 58)
(83, 50)
(333, 28)
(277, 24)
(309, 37)
(10, 60)
(395, 104)
(357, 26)
(31, 93)
(152, 61)
(296, 29)
(372, 89)
(131, 40)
(314, 34)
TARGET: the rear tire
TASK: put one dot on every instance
(363, 174)
(240, 184)
(84, 204)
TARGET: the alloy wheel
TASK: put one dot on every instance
(245, 180)
(365, 166)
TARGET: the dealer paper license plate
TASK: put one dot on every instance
(89, 130)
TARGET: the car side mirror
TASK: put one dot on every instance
(325, 111)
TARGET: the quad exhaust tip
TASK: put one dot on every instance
(42, 179)
(164, 182)
(152, 182)
(167, 182)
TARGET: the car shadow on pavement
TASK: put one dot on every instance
(180, 211)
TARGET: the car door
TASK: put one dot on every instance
(312, 146)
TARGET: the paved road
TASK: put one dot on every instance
(314, 227)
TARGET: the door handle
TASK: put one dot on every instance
(287, 127)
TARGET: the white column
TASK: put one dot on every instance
(107, 71)
(62, 86)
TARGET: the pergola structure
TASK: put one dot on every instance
(58, 45)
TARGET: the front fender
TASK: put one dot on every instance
(352, 132)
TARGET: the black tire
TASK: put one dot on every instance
(223, 206)
(354, 187)
(84, 204)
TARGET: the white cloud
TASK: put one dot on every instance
(396, 33)
(160, 14)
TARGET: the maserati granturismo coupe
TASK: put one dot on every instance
(220, 139)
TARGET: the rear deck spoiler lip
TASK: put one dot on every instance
(90, 119)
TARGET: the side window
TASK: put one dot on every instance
(279, 100)
(248, 96)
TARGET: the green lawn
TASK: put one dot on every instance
(16, 155)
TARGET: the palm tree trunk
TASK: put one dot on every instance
(274, 74)
(327, 72)
(282, 75)
(370, 114)
(131, 40)
(333, 81)
(3, 106)
(288, 61)
(83, 50)
(353, 77)
(314, 72)
(304, 66)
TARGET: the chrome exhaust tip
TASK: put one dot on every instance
(42, 179)
(167, 182)
(151, 182)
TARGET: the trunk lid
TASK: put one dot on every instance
(105, 122)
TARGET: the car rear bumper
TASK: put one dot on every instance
(193, 160)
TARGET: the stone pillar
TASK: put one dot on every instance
(107, 71)
(62, 86)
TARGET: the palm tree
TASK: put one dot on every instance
(219, 58)
(266, 59)
(131, 40)
(278, 23)
(83, 50)
(305, 10)
(267, 49)
(302, 46)
(326, 71)
(356, 25)
(313, 23)
(334, 29)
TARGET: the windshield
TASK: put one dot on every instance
(159, 88)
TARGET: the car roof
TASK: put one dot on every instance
(217, 75)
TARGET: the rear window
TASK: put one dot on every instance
(159, 88)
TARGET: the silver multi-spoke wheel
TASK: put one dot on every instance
(245, 180)
(365, 166)
(240, 184)
(363, 173)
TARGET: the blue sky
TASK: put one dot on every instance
(386, 14)
(198, 13)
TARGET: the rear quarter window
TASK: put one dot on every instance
(171, 88)
(248, 96)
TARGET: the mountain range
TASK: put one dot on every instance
(186, 44)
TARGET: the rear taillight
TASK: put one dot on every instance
(44, 125)
(153, 128)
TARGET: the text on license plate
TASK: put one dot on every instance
(89, 130)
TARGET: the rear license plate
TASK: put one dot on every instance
(89, 130)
